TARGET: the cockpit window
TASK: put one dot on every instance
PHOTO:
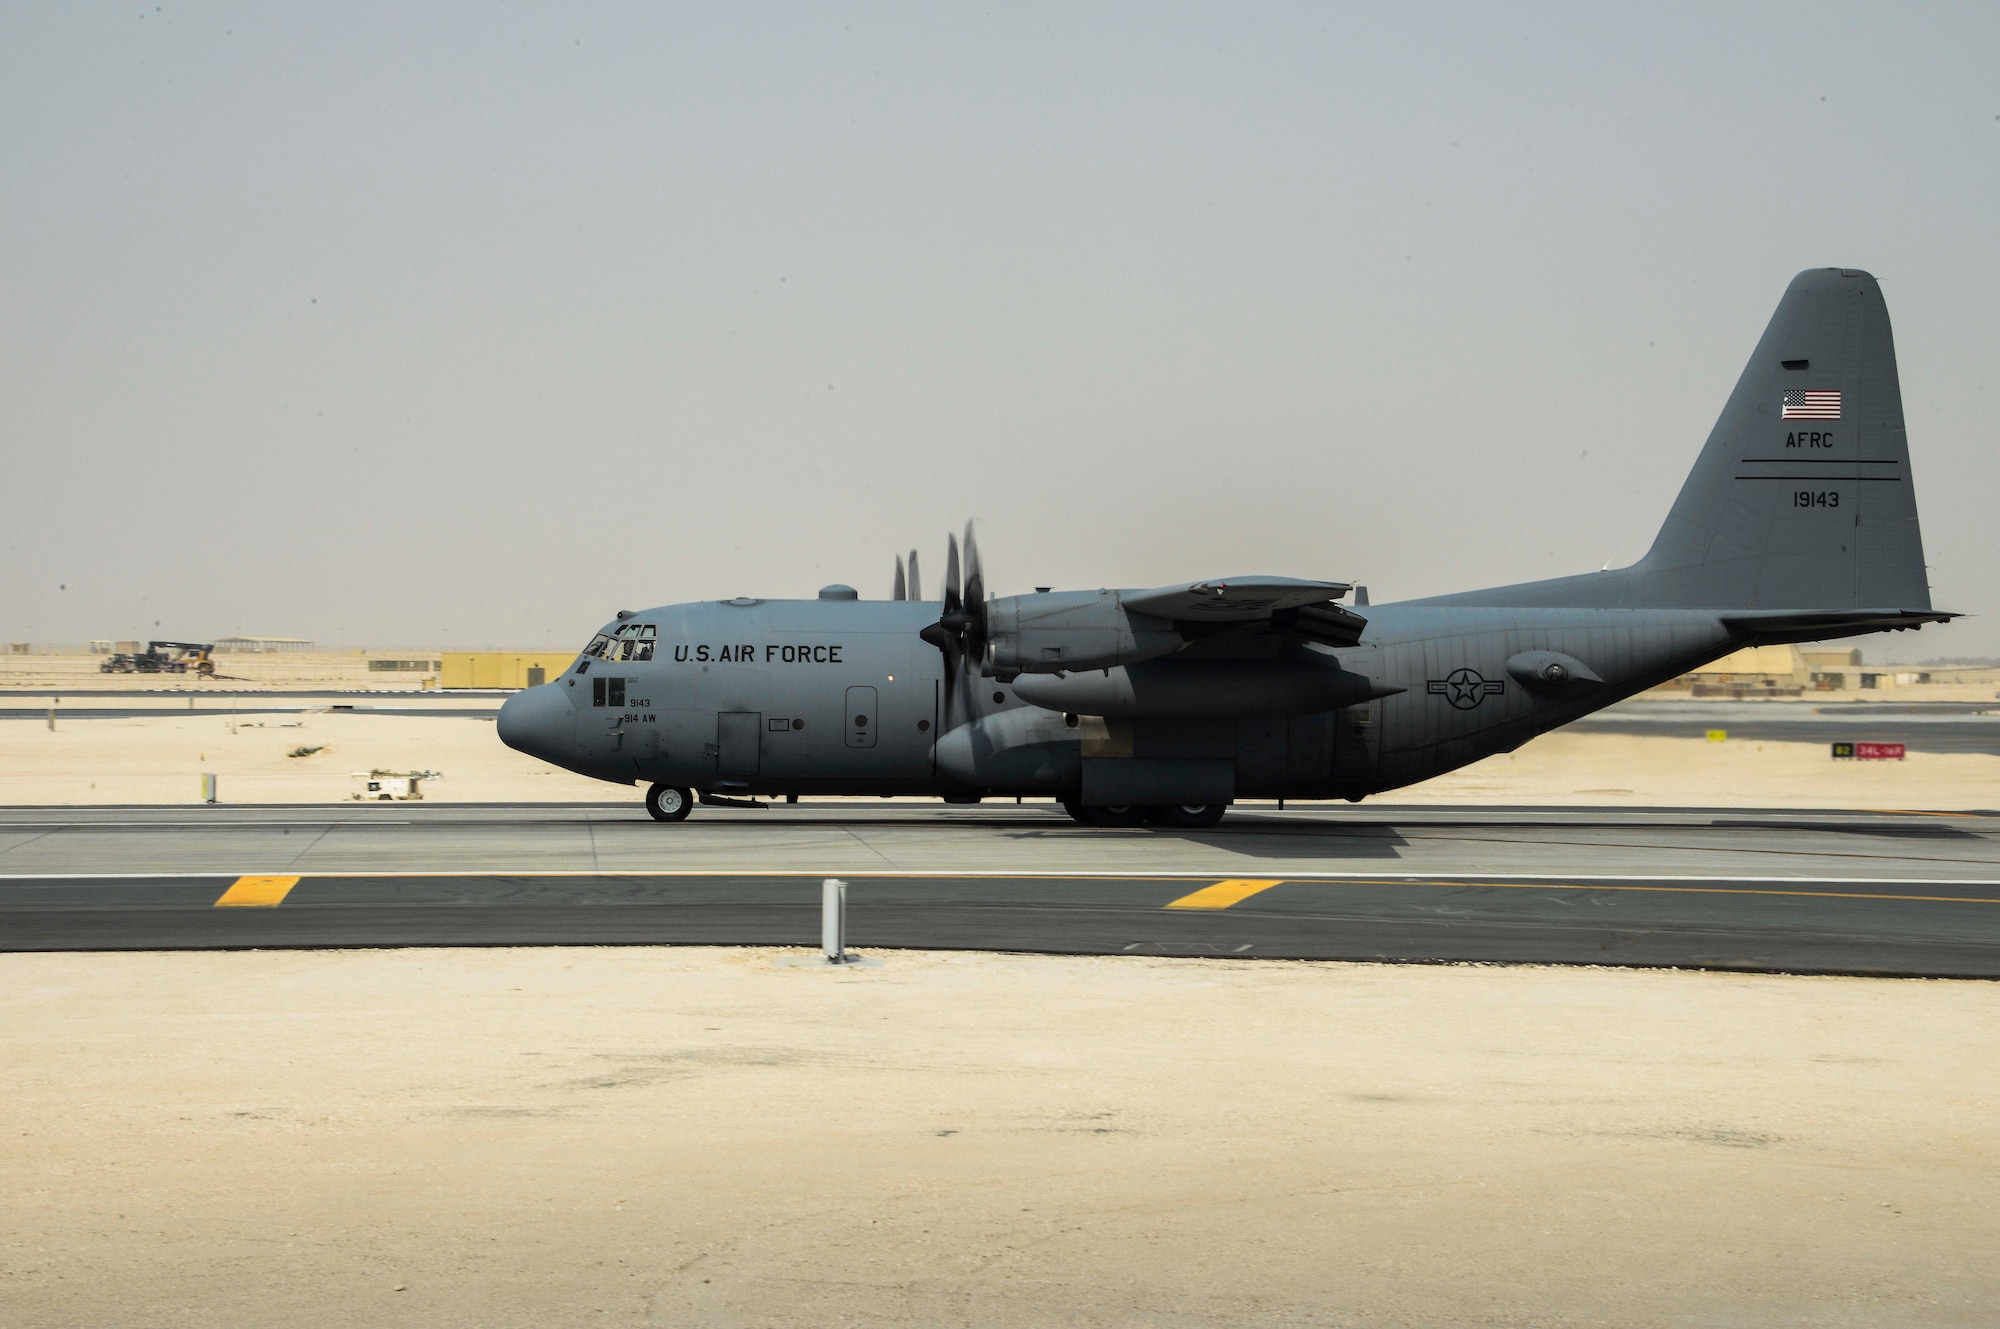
(630, 641)
(597, 646)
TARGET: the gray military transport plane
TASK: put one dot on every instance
(1798, 523)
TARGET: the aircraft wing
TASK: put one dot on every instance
(1233, 599)
(1288, 604)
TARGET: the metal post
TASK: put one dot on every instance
(52, 719)
(208, 786)
(833, 920)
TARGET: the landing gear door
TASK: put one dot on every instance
(861, 717)
(738, 739)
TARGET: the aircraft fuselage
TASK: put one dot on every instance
(842, 697)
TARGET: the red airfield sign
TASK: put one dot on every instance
(1868, 751)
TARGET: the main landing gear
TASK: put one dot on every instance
(668, 803)
(1190, 816)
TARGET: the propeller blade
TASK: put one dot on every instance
(960, 631)
(901, 591)
(951, 600)
(975, 599)
(916, 587)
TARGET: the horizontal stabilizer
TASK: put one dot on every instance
(1776, 627)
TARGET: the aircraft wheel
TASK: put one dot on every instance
(1095, 815)
(1193, 815)
(668, 803)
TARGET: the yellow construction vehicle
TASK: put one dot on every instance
(164, 657)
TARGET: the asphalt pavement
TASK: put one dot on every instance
(1878, 892)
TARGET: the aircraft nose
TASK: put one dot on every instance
(539, 722)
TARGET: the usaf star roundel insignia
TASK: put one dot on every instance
(1465, 688)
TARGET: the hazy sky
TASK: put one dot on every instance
(470, 324)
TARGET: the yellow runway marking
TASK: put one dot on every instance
(1223, 894)
(257, 892)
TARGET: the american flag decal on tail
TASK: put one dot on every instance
(1807, 404)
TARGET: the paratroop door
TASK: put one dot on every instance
(738, 735)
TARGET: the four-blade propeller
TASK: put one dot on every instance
(960, 632)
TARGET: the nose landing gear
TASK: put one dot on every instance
(669, 803)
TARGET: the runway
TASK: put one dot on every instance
(1870, 892)
(1945, 726)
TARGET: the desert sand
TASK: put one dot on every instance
(695, 1137)
(160, 759)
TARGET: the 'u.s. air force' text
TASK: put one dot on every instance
(748, 654)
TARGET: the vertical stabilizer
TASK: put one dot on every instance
(1803, 497)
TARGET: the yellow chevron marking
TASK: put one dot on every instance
(256, 892)
(1222, 894)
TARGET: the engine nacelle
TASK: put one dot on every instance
(1295, 684)
(1051, 631)
(1021, 749)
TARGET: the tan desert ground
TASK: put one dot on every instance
(696, 1137)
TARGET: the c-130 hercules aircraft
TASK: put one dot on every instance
(1798, 523)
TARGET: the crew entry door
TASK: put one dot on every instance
(861, 718)
(738, 735)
